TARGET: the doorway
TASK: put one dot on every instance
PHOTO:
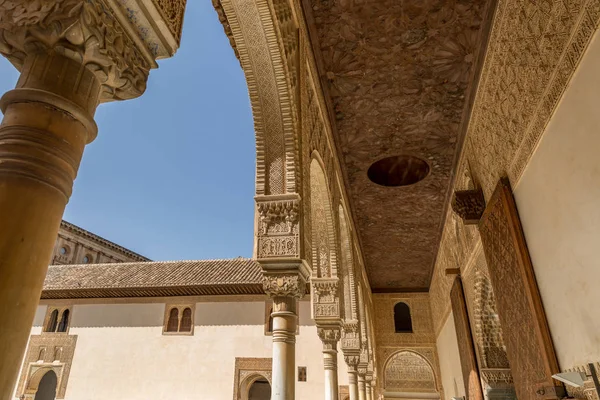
(260, 390)
(47, 387)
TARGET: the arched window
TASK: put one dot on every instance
(186, 320)
(52, 322)
(64, 322)
(402, 319)
(173, 323)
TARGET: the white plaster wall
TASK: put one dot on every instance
(121, 352)
(449, 358)
(558, 199)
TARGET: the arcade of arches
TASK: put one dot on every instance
(426, 175)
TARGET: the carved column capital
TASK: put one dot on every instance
(119, 46)
(329, 335)
(278, 226)
(284, 285)
(352, 360)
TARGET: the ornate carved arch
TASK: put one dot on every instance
(409, 371)
(246, 384)
(324, 251)
(265, 37)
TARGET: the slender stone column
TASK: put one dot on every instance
(330, 337)
(351, 350)
(368, 390)
(284, 288)
(72, 55)
(362, 393)
(284, 347)
(48, 119)
(369, 382)
(352, 381)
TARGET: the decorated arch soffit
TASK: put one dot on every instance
(264, 35)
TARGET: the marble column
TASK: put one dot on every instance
(72, 55)
(285, 289)
(352, 363)
(368, 390)
(362, 393)
(48, 120)
(330, 337)
(285, 317)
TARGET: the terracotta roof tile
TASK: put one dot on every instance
(143, 279)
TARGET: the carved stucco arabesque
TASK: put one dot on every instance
(112, 42)
(533, 51)
(48, 351)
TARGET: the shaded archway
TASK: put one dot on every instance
(47, 387)
(324, 260)
(255, 387)
(260, 390)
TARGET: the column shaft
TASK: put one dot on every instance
(47, 122)
(353, 384)
(368, 391)
(331, 374)
(284, 348)
(362, 395)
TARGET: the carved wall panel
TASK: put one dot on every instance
(525, 329)
(407, 371)
(246, 370)
(485, 325)
(49, 351)
(466, 349)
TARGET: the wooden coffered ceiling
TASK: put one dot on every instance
(399, 76)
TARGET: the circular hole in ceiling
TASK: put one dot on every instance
(398, 171)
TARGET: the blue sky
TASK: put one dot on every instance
(171, 174)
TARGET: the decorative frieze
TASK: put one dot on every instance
(278, 226)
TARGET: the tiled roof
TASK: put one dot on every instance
(154, 279)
